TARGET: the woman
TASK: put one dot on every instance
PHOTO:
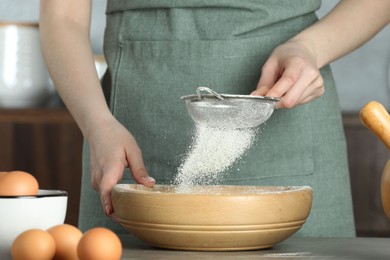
(158, 51)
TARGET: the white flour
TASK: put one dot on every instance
(212, 152)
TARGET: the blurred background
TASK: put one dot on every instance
(45, 141)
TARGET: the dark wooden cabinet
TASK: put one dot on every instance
(47, 143)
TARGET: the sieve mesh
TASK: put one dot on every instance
(229, 111)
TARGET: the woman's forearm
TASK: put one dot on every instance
(64, 29)
(349, 25)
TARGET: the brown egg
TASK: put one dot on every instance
(18, 183)
(99, 243)
(33, 244)
(66, 238)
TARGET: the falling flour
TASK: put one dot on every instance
(212, 152)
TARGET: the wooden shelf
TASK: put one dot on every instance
(36, 116)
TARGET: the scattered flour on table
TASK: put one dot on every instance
(213, 151)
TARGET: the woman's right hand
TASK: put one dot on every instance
(291, 74)
(112, 149)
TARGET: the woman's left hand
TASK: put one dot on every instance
(291, 73)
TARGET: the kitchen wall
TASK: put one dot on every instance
(361, 76)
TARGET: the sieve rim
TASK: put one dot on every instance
(195, 97)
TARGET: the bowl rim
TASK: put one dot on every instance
(279, 189)
(42, 193)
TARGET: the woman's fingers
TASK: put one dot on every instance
(294, 88)
(137, 168)
(112, 149)
(111, 176)
(111, 173)
(291, 74)
(269, 75)
(298, 82)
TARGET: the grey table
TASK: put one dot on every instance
(292, 248)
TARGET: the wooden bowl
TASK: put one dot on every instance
(212, 218)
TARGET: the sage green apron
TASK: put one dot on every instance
(160, 50)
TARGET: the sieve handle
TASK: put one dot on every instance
(210, 91)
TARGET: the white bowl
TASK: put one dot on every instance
(20, 213)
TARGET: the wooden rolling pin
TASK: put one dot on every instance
(375, 117)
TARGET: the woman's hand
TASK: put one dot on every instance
(291, 74)
(64, 30)
(292, 70)
(113, 149)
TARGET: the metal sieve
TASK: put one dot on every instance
(228, 111)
